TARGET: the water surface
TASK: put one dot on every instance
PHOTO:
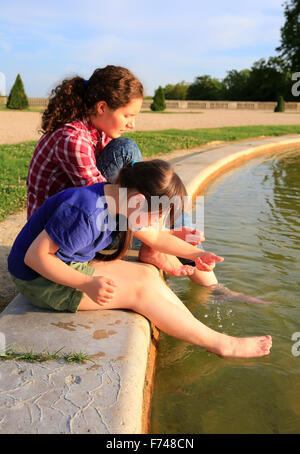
(252, 219)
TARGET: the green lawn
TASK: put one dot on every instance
(29, 109)
(14, 162)
(152, 143)
(15, 158)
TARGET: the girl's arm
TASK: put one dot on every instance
(188, 234)
(76, 157)
(167, 243)
(41, 257)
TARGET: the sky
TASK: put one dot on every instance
(160, 41)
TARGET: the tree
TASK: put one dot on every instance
(17, 98)
(206, 88)
(158, 100)
(236, 85)
(290, 36)
(268, 80)
(280, 105)
(177, 91)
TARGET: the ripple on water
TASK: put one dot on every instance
(252, 218)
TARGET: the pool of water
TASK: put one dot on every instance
(252, 219)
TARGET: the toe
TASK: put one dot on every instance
(188, 270)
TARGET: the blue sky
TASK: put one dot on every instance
(162, 41)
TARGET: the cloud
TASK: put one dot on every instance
(157, 40)
(234, 31)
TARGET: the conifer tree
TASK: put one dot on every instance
(280, 105)
(17, 98)
(159, 103)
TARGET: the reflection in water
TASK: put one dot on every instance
(251, 219)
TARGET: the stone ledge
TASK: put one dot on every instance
(104, 395)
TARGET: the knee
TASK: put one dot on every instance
(129, 148)
(116, 154)
(126, 147)
(148, 275)
(144, 285)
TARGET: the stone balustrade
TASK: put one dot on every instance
(192, 105)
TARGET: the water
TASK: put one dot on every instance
(252, 220)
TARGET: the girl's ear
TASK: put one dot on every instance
(101, 107)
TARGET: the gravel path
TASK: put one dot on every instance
(20, 126)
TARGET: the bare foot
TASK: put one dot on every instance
(245, 347)
(168, 263)
(223, 293)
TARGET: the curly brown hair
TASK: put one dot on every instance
(77, 98)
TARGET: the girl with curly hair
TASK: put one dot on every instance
(83, 125)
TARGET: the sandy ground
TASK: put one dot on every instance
(213, 119)
(20, 126)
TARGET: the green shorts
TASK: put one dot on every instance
(46, 294)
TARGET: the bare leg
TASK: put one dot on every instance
(171, 265)
(223, 293)
(149, 296)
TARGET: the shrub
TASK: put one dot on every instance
(280, 105)
(17, 98)
(159, 103)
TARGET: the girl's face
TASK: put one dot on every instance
(115, 122)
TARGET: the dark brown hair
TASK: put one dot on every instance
(76, 98)
(151, 178)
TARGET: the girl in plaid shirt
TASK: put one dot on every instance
(82, 126)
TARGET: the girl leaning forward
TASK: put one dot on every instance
(54, 262)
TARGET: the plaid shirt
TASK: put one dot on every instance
(62, 159)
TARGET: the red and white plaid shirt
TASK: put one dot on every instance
(62, 159)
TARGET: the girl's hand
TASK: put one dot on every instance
(100, 289)
(190, 235)
(206, 261)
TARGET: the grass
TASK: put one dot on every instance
(3, 108)
(15, 158)
(32, 357)
(152, 143)
(14, 162)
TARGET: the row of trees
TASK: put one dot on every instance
(265, 81)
